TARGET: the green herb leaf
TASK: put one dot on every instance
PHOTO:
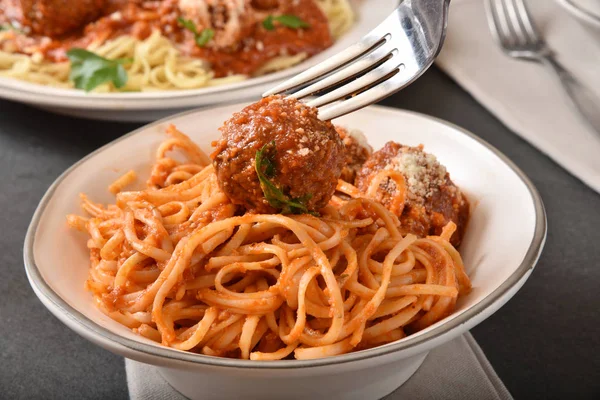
(201, 38)
(266, 163)
(268, 23)
(188, 24)
(89, 70)
(292, 21)
(265, 169)
(287, 20)
(204, 37)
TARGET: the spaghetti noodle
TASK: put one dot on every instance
(181, 265)
(162, 58)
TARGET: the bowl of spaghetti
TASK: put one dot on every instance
(278, 255)
(125, 60)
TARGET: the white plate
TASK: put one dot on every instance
(586, 11)
(503, 241)
(150, 106)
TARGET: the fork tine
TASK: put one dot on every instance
(331, 64)
(515, 22)
(376, 93)
(371, 40)
(356, 85)
(371, 69)
(507, 16)
(526, 20)
(501, 31)
(361, 65)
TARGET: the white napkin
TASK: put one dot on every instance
(455, 370)
(524, 95)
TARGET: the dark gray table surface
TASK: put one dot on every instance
(545, 343)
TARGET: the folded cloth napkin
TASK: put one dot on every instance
(524, 95)
(455, 370)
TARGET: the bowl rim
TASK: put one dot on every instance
(95, 329)
(580, 13)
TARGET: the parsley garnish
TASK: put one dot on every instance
(89, 70)
(204, 37)
(201, 38)
(290, 21)
(265, 169)
(187, 24)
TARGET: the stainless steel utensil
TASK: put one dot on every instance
(512, 27)
(387, 59)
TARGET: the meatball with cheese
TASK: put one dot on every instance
(432, 200)
(277, 156)
(356, 151)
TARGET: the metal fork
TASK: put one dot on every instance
(512, 27)
(385, 60)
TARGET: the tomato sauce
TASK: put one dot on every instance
(264, 45)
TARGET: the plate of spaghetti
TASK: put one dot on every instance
(295, 256)
(121, 59)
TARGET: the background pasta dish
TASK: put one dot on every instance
(293, 238)
(126, 45)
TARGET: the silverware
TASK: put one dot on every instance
(388, 58)
(513, 29)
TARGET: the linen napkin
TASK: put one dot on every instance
(524, 95)
(455, 370)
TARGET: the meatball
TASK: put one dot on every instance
(356, 151)
(53, 17)
(303, 157)
(432, 199)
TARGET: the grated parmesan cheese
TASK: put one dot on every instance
(422, 172)
(360, 138)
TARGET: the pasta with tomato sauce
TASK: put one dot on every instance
(229, 255)
(126, 45)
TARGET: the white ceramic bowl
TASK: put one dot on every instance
(150, 106)
(503, 241)
(586, 11)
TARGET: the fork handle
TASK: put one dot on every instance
(581, 98)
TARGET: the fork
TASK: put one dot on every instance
(513, 29)
(387, 59)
